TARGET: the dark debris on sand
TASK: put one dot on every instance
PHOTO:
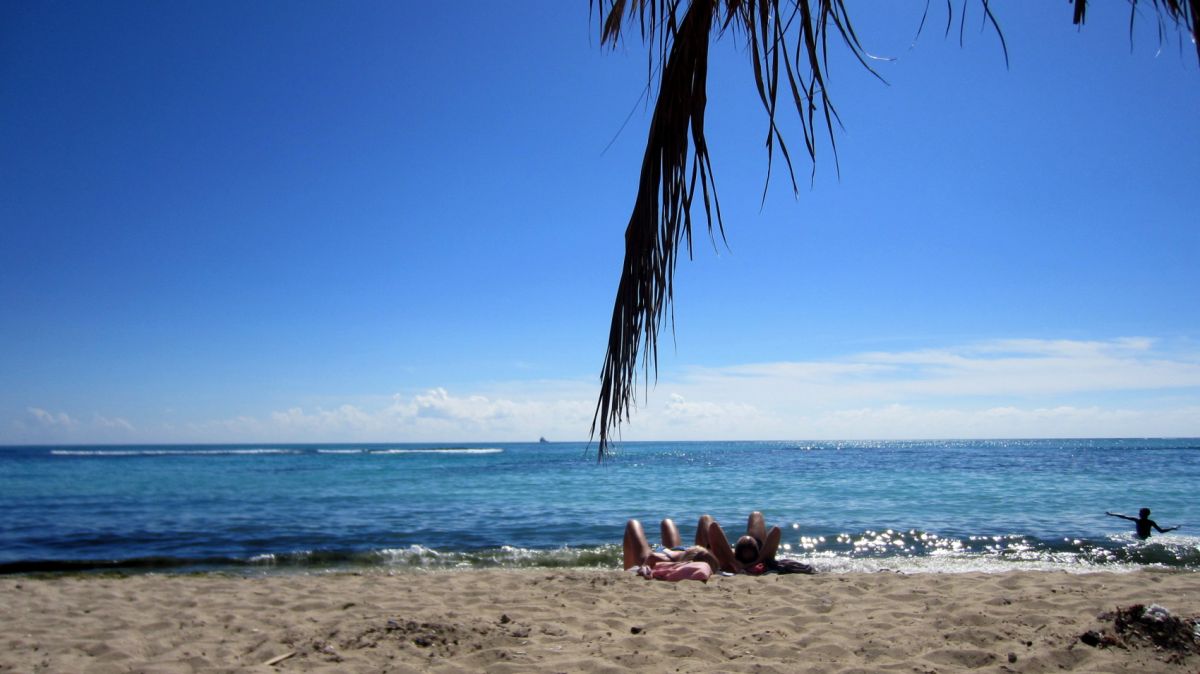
(1153, 626)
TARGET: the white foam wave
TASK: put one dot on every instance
(413, 555)
(166, 452)
(268, 451)
(505, 556)
(943, 562)
(446, 450)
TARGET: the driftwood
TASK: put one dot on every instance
(278, 659)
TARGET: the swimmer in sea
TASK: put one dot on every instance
(1143, 523)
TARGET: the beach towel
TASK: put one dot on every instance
(675, 571)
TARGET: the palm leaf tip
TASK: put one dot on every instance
(677, 160)
(791, 33)
(1183, 15)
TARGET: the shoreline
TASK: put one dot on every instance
(580, 620)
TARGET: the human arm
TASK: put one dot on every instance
(770, 545)
(1124, 517)
(1162, 530)
(756, 526)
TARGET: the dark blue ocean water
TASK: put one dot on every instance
(913, 506)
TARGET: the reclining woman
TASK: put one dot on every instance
(753, 553)
(672, 562)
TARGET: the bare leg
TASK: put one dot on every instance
(670, 535)
(756, 526)
(637, 549)
(770, 545)
(719, 545)
(702, 526)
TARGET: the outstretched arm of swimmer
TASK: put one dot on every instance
(1124, 517)
(1162, 530)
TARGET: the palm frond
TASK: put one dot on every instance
(1180, 14)
(793, 34)
(676, 157)
(661, 217)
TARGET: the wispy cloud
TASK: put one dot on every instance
(38, 424)
(433, 415)
(48, 419)
(1003, 368)
(999, 388)
(116, 423)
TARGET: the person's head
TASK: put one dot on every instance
(1144, 513)
(698, 553)
(746, 550)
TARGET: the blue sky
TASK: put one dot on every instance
(400, 222)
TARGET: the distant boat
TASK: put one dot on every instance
(543, 441)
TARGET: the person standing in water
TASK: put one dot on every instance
(1143, 523)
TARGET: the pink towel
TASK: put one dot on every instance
(681, 571)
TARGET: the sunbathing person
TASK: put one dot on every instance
(639, 552)
(753, 553)
(670, 563)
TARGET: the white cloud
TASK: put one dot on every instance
(679, 417)
(41, 425)
(1010, 368)
(1000, 388)
(115, 423)
(51, 419)
(433, 415)
(898, 421)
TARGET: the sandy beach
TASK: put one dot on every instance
(583, 620)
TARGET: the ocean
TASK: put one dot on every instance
(911, 506)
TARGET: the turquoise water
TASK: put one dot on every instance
(915, 506)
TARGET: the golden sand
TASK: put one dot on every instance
(581, 621)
